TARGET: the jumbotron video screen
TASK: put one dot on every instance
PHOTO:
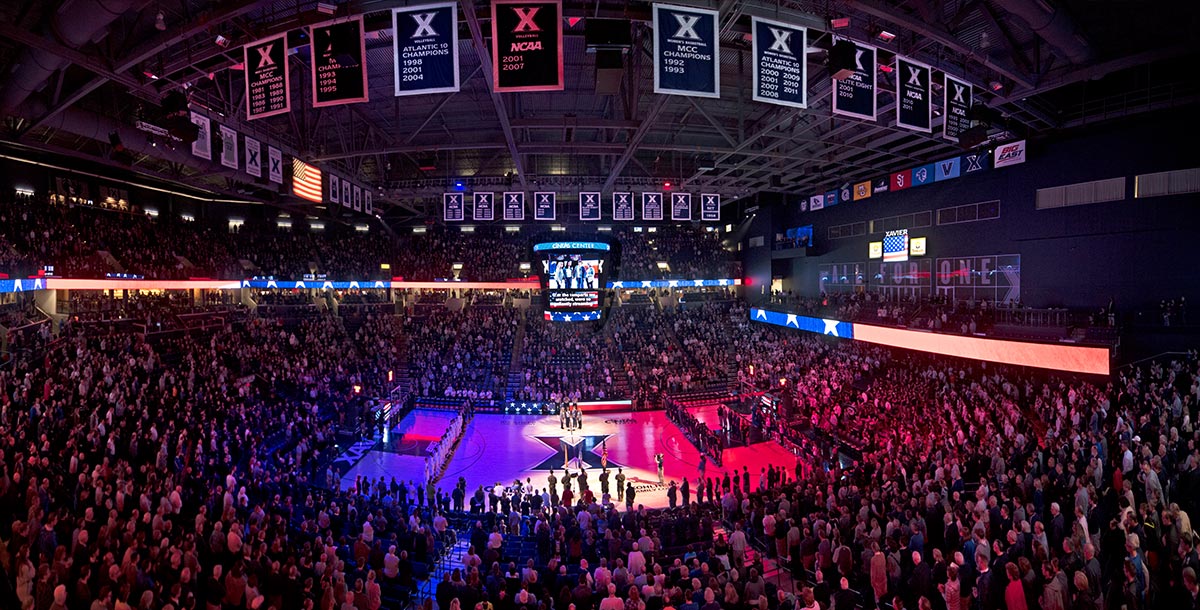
(574, 276)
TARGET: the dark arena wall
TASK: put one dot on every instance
(1135, 251)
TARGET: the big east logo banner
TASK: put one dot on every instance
(527, 50)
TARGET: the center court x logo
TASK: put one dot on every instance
(687, 26)
(424, 25)
(526, 16)
(781, 40)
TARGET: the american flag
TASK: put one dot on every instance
(306, 181)
(895, 247)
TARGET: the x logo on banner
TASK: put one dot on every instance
(526, 16)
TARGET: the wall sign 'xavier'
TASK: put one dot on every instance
(339, 66)
(527, 45)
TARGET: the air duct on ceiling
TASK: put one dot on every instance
(74, 24)
(1055, 26)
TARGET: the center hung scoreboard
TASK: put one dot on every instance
(574, 275)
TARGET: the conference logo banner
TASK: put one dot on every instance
(485, 206)
(710, 207)
(514, 206)
(880, 185)
(652, 206)
(1012, 153)
(956, 102)
(681, 206)
(914, 110)
(901, 180)
(425, 45)
(274, 165)
(862, 190)
(854, 96)
(947, 169)
(831, 198)
(335, 189)
(268, 85)
(202, 147)
(589, 206)
(816, 202)
(452, 207)
(975, 162)
(339, 66)
(543, 205)
(780, 63)
(924, 175)
(527, 45)
(229, 148)
(253, 157)
(622, 206)
(686, 51)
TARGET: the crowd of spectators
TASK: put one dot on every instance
(564, 362)
(652, 359)
(690, 252)
(463, 354)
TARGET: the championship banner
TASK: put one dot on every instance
(229, 148)
(274, 165)
(357, 198)
(485, 208)
(253, 157)
(543, 205)
(347, 194)
(202, 147)
(686, 51)
(335, 189)
(527, 45)
(914, 110)
(368, 205)
(780, 63)
(622, 206)
(425, 46)
(514, 206)
(681, 206)
(710, 207)
(589, 206)
(339, 66)
(956, 103)
(268, 85)
(452, 207)
(652, 206)
(854, 96)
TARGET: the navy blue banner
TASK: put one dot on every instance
(589, 206)
(956, 103)
(681, 206)
(452, 207)
(855, 95)
(780, 63)
(485, 206)
(622, 206)
(820, 326)
(652, 206)
(514, 206)
(687, 54)
(543, 206)
(426, 48)
(710, 207)
(914, 109)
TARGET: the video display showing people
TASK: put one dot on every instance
(573, 272)
(573, 278)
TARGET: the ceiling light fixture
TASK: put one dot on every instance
(160, 21)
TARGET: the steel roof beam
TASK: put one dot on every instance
(485, 58)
